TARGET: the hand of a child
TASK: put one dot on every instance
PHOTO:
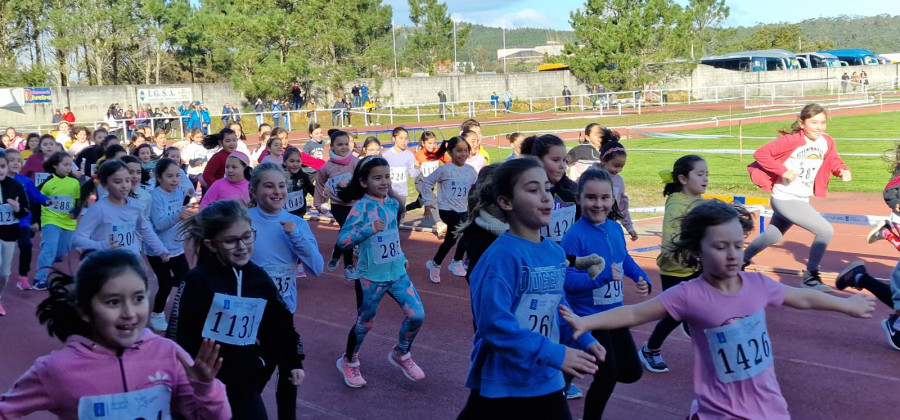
(378, 225)
(35, 228)
(14, 203)
(643, 286)
(577, 363)
(789, 175)
(288, 227)
(845, 175)
(617, 271)
(633, 234)
(113, 243)
(598, 351)
(206, 365)
(860, 306)
(297, 376)
(575, 321)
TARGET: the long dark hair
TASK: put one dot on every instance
(683, 166)
(686, 245)
(354, 190)
(207, 224)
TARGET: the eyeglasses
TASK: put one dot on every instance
(231, 243)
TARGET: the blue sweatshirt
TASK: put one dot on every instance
(589, 296)
(124, 224)
(277, 253)
(164, 209)
(35, 200)
(380, 257)
(515, 299)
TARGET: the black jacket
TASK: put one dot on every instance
(12, 189)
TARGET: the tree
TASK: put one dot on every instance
(706, 17)
(432, 42)
(481, 57)
(782, 36)
(618, 38)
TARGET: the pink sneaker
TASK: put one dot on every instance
(407, 365)
(350, 372)
(434, 272)
(2, 311)
(23, 283)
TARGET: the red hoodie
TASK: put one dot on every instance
(770, 159)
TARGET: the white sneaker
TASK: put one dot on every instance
(434, 272)
(332, 265)
(350, 273)
(457, 268)
(158, 322)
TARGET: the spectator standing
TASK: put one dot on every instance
(356, 96)
(567, 96)
(854, 81)
(259, 108)
(276, 113)
(442, 97)
(507, 100)
(57, 117)
(864, 79)
(336, 112)
(495, 101)
(226, 114)
(311, 110)
(845, 79)
(286, 115)
(235, 113)
(297, 95)
(68, 115)
(346, 113)
(364, 91)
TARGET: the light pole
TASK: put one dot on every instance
(394, 37)
(455, 69)
(505, 53)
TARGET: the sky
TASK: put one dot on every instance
(555, 13)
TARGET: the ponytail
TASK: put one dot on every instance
(60, 312)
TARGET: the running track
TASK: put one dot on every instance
(829, 365)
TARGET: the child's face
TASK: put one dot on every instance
(276, 148)
(460, 153)
(430, 144)
(48, 146)
(401, 140)
(555, 163)
(341, 146)
(372, 149)
(229, 143)
(15, 163)
(271, 192)
(596, 199)
(98, 136)
(145, 154)
(64, 167)
(283, 137)
(516, 144)
(317, 135)
(81, 136)
(119, 311)
(378, 183)
(531, 203)
(11, 132)
(175, 155)
(198, 138)
(293, 163)
(477, 130)
(694, 184)
(34, 143)
(134, 172)
(169, 179)
(813, 127)
(614, 165)
(234, 170)
(161, 141)
(119, 184)
(722, 250)
(233, 246)
(594, 136)
(472, 139)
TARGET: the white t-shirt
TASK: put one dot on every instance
(403, 167)
(806, 161)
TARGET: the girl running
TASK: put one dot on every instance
(145, 154)
(159, 141)
(333, 177)
(275, 150)
(196, 156)
(290, 241)
(140, 187)
(35, 163)
(403, 163)
(184, 182)
(124, 370)
(454, 181)
(428, 158)
(59, 217)
(551, 151)
(734, 376)
(612, 160)
(597, 232)
(515, 143)
(168, 211)
(226, 140)
(684, 186)
(794, 167)
(80, 137)
(13, 207)
(315, 147)
(34, 144)
(229, 299)
(235, 185)
(299, 183)
(517, 360)
(372, 225)
(371, 147)
(30, 224)
(475, 159)
(588, 153)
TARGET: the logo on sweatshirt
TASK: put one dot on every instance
(159, 377)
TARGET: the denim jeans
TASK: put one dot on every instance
(55, 243)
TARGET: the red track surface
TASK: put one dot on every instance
(830, 366)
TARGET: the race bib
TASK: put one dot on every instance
(458, 190)
(429, 167)
(609, 294)
(285, 278)
(6, 215)
(234, 320)
(398, 175)
(807, 169)
(151, 403)
(561, 220)
(40, 177)
(386, 246)
(62, 203)
(537, 312)
(124, 236)
(333, 182)
(741, 349)
(295, 201)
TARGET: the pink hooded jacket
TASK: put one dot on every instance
(766, 171)
(57, 381)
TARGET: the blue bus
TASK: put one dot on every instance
(855, 56)
(816, 60)
(752, 61)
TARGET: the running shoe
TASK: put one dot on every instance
(892, 333)
(848, 277)
(39, 285)
(434, 272)
(573, 392)
(350, 372)
(332, 265)
(406, 364)
(877, 234)
(2, 311)
(158, 321)
(457, 268)
(23, 283)
(350, 273)
(811, 280)
(652, 360)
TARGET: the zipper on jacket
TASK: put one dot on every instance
(122, 369)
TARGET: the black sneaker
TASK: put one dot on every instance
(892, 334)
(653, 361)
(847, 278)
(877, 234)
(811, 280)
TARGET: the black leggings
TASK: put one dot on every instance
(285, 391)
(668, 324)
(25, 236)
(169, 274)
(552, 406)
(881, 291)
(621, 365)
(452, 219)
(246, 402)
(340, 213)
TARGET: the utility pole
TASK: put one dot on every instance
(504, 47)
(394, 36)
(455, 68)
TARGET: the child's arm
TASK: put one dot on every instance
(199, 395)
(358, 227)
(635, 273)
(621, 317)
(28, 395)
(91, 221)
(151, 240)
(158, 216)
(428, 196)
(306, 247)
(320, 196)
(858, 305)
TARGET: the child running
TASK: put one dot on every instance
(427, 161)
(734, 376)
(167, 213)
(597, 232)
(30, 224)
(299, 183)
(13, 207)
(289, 241)
(229, 299)
(612, 160)
(475, 159)
(403, 163)
(226, 140)
(515, 143)
(111, 367)
(517, 360)
(35, 163)
(333, 177)
(372, 225)
(371, 147)
(685, 184)
(454, 181)
(59, 217)
(235, 185)
(794, 167)
(551, 152)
